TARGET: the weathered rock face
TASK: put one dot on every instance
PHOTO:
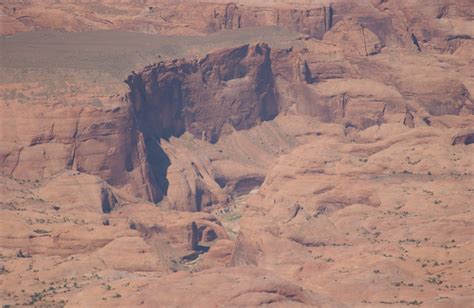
(232, 89)
(442, 25)
(356, 38)
(313, 21)
(97, 141)
(463, 138)
(335, 81)
(229, 90)
(170, 18)
(436, 25)
(37, 146)
(225, 91)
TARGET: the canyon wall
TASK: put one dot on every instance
(440, 25)
(231, 89)
(125, 143)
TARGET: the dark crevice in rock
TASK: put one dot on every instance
(308, 76)
(328, 16)
(427, 121)
(108, 200)
(169, 98)
(415, 42)
(246, 185)
(199, 193)
(409, 119)
(190, 257)
(71, 162)
(465, 139)
(234, 87)
(459, 37)
(265, 87)
(221, 181)
(294, 211)
(343, 104)
(17, 161)
(158, 162)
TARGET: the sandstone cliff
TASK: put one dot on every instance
(224, 92)
(441, 25)
(270, 173)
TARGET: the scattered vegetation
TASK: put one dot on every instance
(3, 270)
(434, 280)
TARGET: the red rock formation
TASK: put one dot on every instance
(437, 25)
(228, 90)
(260, 176)
(233, 87)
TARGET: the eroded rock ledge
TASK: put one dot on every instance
(125, 142)
(230, 89)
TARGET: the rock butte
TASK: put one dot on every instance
(280, 153)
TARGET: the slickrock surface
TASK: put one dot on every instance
(253, 153)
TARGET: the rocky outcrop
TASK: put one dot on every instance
(226, 91)
(98, 141)
(465, 138)
(183, 233)
(223, 92)
(345, 151)
(356, 38)
(398, 182)
(313, 21)
(435, 25)
(438, 25)
(232, 89)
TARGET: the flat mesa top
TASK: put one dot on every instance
(101, 60)
(115, 51)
